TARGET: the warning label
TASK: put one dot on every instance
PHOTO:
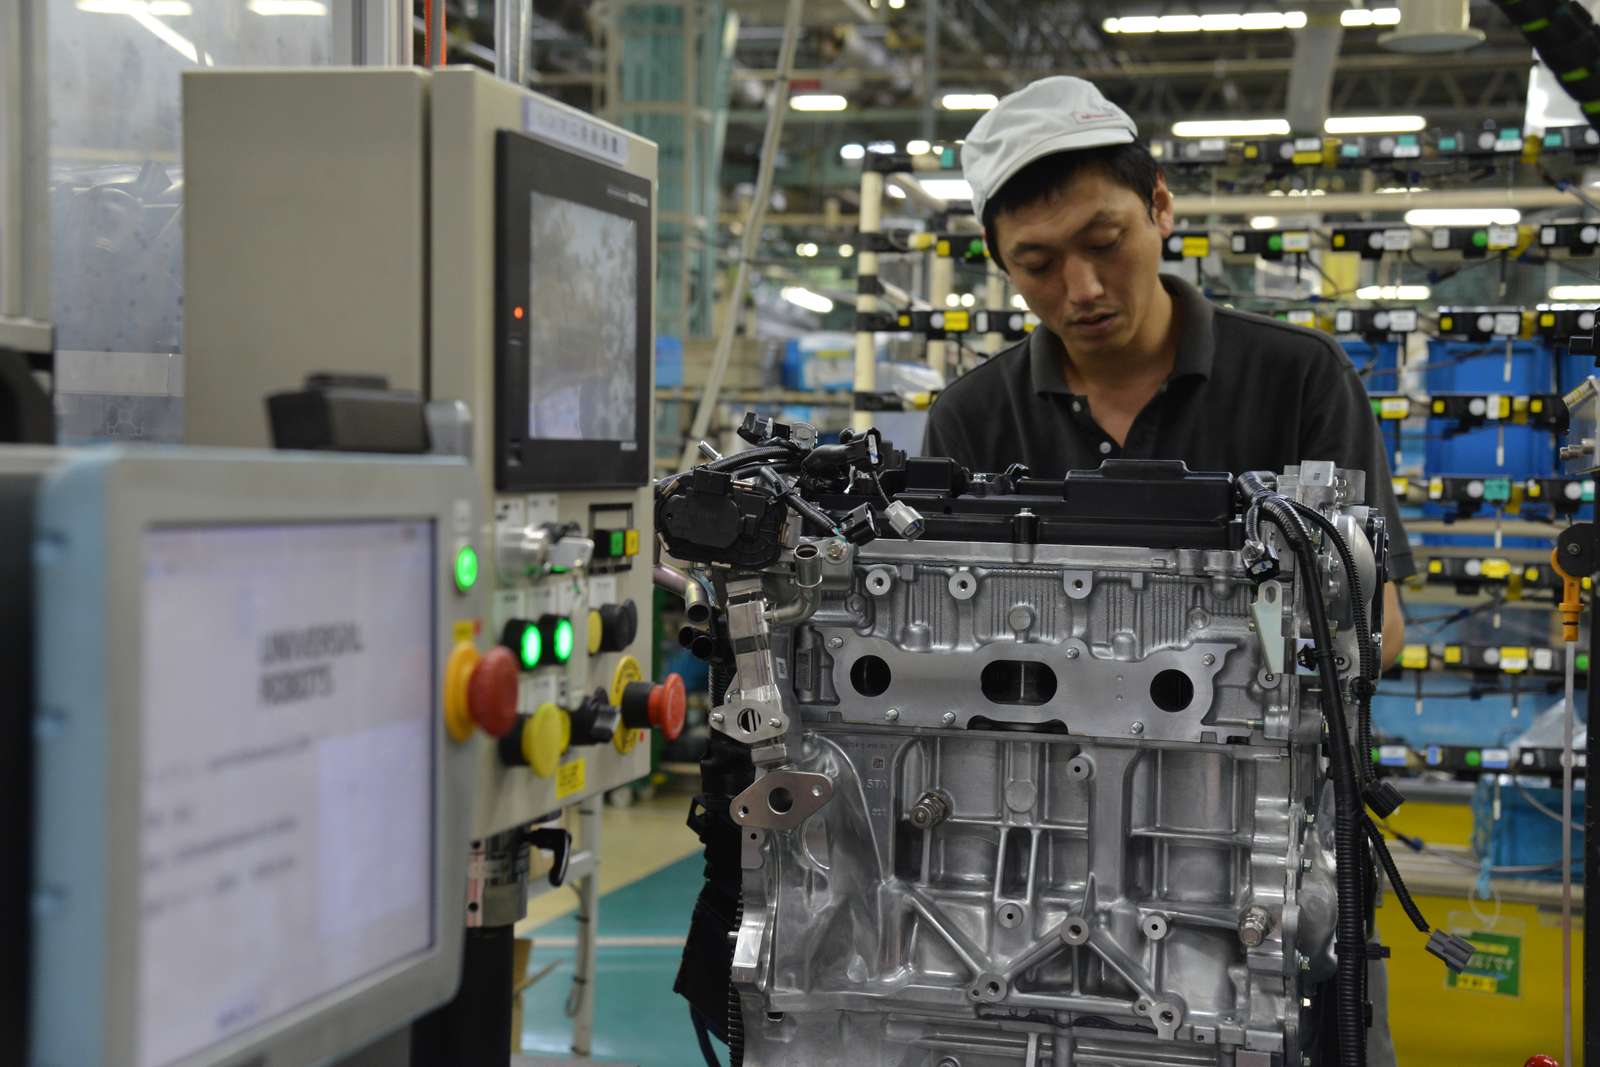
(1496, 966)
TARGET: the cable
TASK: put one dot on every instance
(1533, 802)
(703, 1036)
(1402, 894)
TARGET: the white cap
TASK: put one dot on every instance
(1058, 114)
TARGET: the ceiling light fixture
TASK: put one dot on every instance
(1374, 124)
(1231, 128)
(918, 148)
(1393, 292)
(1216, 22)
(852, 152)
(1264, 222)
(818, 102)
(947, 188)
(1437, 216)
(968, 101)
(805, 298)
(1356, 18)
(1575, 292)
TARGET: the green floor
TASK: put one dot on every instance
(638, 1019)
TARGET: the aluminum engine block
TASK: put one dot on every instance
(1033, 803)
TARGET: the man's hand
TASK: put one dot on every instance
(1394, 625)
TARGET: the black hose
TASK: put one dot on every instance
(1351, 943)
(703, 1036)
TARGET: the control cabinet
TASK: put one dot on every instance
(494, 251)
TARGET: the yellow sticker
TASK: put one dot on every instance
(1513, 659)
(905, 320)
(1478, 983)
(921, 242)
(942, 248)
(1414, 657)
(630, 543)
(1496, 568)
(464, 629)
(1438, 407)
(1436, 566)
(569, 778)
(1546, 318)
(1194, 247)
(1338, 240)
(1435, 488)
(1446, 322)
(957, 322)
(1394, 407)
(1531, 574)
(1452, 653)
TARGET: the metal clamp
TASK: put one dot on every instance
(781, 800)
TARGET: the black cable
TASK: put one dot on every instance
(703, 1036)
(1381, 848)
(1350, 945)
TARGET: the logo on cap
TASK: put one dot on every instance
(1092, 116)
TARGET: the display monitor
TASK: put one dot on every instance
(263, 819)
(573, 319)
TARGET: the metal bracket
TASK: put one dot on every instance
(781, 800)
(1267, 611)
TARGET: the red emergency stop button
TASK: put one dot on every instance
(1542, 1061)
(492, 692)
(661, 706)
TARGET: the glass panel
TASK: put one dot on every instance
(116, 186)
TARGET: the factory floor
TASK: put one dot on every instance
(650, 874)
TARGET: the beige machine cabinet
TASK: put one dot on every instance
(494, 250)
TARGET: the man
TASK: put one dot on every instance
(1128, 361)
(1131, 362)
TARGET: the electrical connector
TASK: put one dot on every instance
(1454, 951)
(905, 520)
(1383, 797)
(859, 526)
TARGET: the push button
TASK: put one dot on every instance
(661, 706)
(479, 691)
(537, 741)
(618, 625)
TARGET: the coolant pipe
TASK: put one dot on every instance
(808, 586)
(696, 594)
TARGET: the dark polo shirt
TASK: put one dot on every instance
(1245, 393)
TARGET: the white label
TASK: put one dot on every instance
(1508, 323)
(1297, 242)
(575, 131)
(1502, 237)
(1307, 144)
(1393, 755)
(1238, 242)
(1492, 409)
(1543, 659)
(1508, 144)
(1547, 235)
(1441, 239)
(1497, 759)
(1344, 321)
(1396, 240)
(1303, 318)
(510, 511)
(1404, 321)
(1213, 144)
(1407, 151)
(602, 590)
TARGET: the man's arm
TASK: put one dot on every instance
(1394, 624)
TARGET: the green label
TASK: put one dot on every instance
(1496, 966)
(1498, 489)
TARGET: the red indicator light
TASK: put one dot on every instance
(516, 312)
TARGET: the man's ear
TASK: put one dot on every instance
(1162, 208)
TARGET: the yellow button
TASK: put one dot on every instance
(630, 543)
(1531, 574)
(1438, 407)
(1534, 488)
(1447, 323)
(1496, 568)
(1536, 405)
(1436, 566)
(1338, 240)
(1546, 319)
(1414, 657)
(545, 737)
(942, 248)
(627, 671)
(457, 672)
(596, 632)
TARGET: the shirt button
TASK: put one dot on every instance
(1105, 447)
(1077, 405)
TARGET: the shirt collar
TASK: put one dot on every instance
(1196, 342)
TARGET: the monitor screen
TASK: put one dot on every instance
(583, 306)
(286, 842)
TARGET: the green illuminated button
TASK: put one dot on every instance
(522, 637)
(616, 543)
(1275, 242)
(556, 634)
(1582, 662)
(466, 568)
(1474, 757)
(1480, 239)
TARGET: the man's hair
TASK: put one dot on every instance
(1129, 165)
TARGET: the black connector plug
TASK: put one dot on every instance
(1453, 950)
(1382, 797)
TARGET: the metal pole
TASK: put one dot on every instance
(751, 240)
(581, 1006)
(511, 21)
(871, 223)
(930, 68)
(941, 282)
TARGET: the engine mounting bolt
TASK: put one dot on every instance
(716, 718)
(1269, 678)
(893, 714)
(949, 718)
(835, 550)
(1072, 653)
(1253, 926)
(775, 723)
(1208, 659)
(835, 641)
(1137, 728)
(929, 811)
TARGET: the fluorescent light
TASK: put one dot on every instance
(159, 8)
(288, 7)
(918, 148)
(1374, 124)
(1575, 292)
(1390, 190)
(1019, 303)
(818, 102)
(807, 299)
(895, 192)
(1264, 222)
(947, 188)
(1231, 128)
(881, 148)
(968, 300)
(1217, 22)
(1393, 292)
(897, 4)
(1491, 216)
(968, 101)
(846, 251)
(1359, 17)
(852, 152)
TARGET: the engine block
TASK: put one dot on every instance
(1039, 791)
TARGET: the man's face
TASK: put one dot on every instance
(1086, 259)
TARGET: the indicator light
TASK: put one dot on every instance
(1474, 758)
(563, 640)
(1480, 239)
(616, 543)
(517, 312)
(466, 568)
(530, 650)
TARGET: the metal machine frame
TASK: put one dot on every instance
(92, 513)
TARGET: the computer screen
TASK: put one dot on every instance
(287, 838)
(583, 303)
